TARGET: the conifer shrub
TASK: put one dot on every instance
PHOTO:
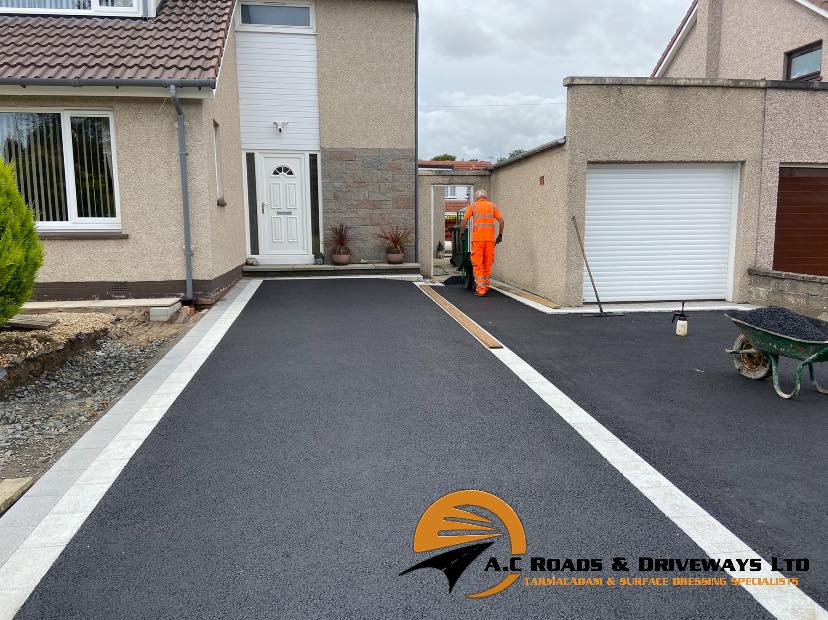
(21, 253)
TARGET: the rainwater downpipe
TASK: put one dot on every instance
(417, 137)
(185, 195)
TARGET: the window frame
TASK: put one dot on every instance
(801, 51)
(74, 222)
(96, 9)
(240, 26)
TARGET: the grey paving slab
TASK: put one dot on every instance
(53, 483)
(10, 538)
(287, 479)
(28, 510)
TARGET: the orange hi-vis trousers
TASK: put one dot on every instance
(482, 256)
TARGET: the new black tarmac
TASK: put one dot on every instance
(288, 478)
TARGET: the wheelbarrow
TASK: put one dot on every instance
(461, 249)
(757, 351)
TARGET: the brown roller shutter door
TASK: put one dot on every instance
(802, 221)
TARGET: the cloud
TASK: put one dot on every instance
(491, 71)
(486, 126)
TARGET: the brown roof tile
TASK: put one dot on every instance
(455, 165)
(184, 42)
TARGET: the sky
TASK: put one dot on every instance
(491, 71)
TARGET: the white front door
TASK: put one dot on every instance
(284, 210)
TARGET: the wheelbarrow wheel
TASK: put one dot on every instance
(468, 278)
(752, 365)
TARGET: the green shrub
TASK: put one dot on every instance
(21, 253)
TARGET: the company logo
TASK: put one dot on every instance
(460, 522)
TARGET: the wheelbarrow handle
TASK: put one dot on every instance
(741, 351)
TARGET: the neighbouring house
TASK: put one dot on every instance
(282, 135)
(456, 196)
(707, 181)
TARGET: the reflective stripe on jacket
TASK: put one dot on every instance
(486, 215)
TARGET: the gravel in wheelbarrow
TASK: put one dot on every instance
(785, 323)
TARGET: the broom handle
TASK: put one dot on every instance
(586, 262)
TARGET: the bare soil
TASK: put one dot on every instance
(42, 419)
(19, 345)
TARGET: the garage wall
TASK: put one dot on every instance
(532, 254)
(667, 122)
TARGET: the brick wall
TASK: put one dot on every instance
(366, 188)
(801, 293)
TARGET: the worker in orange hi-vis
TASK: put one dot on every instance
(483, 239)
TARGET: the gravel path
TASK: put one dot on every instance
(38, 422)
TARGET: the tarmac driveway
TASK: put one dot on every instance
(752, 460)
(288, 478)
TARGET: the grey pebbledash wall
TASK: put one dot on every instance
(805, 294)
(366, 189)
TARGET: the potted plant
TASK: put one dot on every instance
(341, 254)
(395, 238)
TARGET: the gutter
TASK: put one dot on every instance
(115, 82)
(417, 133)
(694, 82)
(530, 153)
(185, 195)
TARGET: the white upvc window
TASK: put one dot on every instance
(65, 165)
(127, 8)
(276, 16)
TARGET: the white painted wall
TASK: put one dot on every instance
(278, 82)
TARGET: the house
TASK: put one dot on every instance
(706, 181)
(457, 197)
(164, 143)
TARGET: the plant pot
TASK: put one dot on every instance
(341, 259)
(394, 256)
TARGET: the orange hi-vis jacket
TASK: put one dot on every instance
(486, 215)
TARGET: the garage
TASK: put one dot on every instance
(659, 232)
(801, 241)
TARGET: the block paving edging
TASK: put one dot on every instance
(34, 531)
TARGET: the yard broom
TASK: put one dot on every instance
(591, 279)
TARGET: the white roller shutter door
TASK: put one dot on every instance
(658, 232)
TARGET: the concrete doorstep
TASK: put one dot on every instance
(12, 490)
